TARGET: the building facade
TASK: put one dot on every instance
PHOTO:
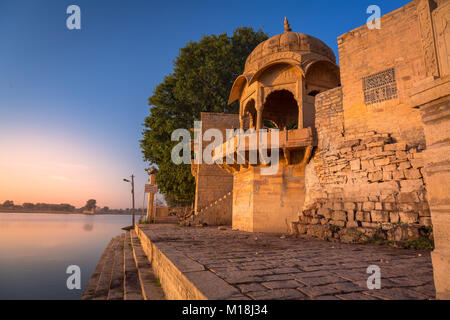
(364, 147)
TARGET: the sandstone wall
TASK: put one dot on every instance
(399, 44)
(268, 203)
(361, 186)
(216, 213)
(212, 183)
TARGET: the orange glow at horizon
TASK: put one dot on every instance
(52, 169)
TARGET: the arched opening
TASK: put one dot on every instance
(280, 108)
(250, 115)
(320, 76)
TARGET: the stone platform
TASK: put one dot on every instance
(123, 273)
(207, 263)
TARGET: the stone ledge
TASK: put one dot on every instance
(181, 277)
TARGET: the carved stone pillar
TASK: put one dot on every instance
(424, 8)
(300, 99)
(259, 119)
(433, 99)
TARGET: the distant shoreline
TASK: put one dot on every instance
(65, 212)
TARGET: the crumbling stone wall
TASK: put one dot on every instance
(362, 185)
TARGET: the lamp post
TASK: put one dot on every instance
(132, 196)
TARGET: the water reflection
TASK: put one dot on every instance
(35, 250)
(88, 227)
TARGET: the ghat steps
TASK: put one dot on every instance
(123, 273)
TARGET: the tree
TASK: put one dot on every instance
(201, 81)
(8, 204)
(90, 204)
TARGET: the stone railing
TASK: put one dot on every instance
(287, 140)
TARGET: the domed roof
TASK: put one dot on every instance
(288, 42)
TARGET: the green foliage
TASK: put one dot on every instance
(423, 243)
(201, 81)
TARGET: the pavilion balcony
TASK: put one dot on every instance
(295, 146)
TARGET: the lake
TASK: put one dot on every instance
(37, 248)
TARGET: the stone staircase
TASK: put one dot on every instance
(123, 273)
(217, 212)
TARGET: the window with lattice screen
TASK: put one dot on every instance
(380, 87)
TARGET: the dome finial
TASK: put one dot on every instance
(287, 27)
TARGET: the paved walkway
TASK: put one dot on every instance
(265, 266)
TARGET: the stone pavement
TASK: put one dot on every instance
(262, 266)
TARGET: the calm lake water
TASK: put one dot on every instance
(37, 248)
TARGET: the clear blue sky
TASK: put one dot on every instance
(72, 103)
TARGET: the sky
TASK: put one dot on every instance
(72, 102)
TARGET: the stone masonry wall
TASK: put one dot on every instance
(401, 43)
(362, 185)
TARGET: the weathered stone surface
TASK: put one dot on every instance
(379, 216)
(409, 217)
(263, 266)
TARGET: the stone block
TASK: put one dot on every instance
(368, 206)
(425, 221)
(352, 224)
(412, 185)
(369, 225)
(375, 176)
(387, 175)
(408, 207)
(355, 165)
(302, 228)
(424, 213)
(408, 197)
(363, 216)
(328, 205)
(338, 223)
(390, 167)
(401, 155)
(413, 174)
(338, 206)
(325, 212)
(322, 232)
(404, 165)
(379, 216)
(394, 217)
(349, 206)
(382, 162)
(350, 215)
(417, 163)
(339, 216)
(409, 217)
(398, 175)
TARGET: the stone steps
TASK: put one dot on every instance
(102, 289)
(116, 283)
(91, 288)
(151, 289)
(123, 273)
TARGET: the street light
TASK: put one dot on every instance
(132, 197)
